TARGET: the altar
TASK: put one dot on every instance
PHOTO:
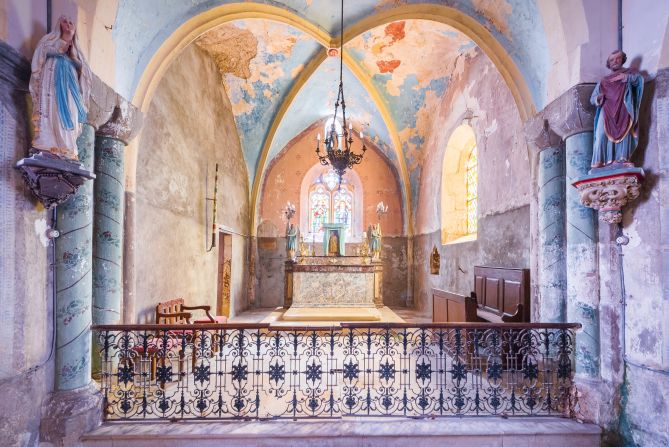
(328, 288)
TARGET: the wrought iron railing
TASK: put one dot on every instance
(254, 371)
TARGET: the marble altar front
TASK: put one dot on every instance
(333, 288)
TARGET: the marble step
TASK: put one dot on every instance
(351, 432)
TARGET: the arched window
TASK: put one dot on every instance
(459, 187)
(329, 202)
(472, 178)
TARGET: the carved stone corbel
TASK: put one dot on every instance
(608, 192)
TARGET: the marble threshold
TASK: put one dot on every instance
(351, 432)
(271, 314)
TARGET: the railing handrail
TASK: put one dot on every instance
(338, 327)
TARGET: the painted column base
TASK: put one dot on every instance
(70, 414)
(608, 191)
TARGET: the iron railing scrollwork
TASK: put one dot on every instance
(253, 371)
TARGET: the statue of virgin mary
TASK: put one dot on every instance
(60, 86)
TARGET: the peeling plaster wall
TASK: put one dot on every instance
(189, 127)
(645, 396)
(26, 313)
(283, 183)
(503, 186)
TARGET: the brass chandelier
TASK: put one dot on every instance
(338, 153)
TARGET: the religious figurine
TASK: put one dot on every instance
(304, 250)
(364, 249)
(291, 240)
(374, 235)
(60, 86)
(435, 261)
(617, 97)
(333, 244)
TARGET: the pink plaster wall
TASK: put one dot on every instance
(504, 168)
(285, 173)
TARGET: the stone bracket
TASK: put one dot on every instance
(569, 114)
(52, 179)
(608, 191)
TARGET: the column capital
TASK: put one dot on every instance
(124, 122)
(569, 114)
(112, 115)
(540, 135)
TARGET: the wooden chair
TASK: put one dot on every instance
(175, 312)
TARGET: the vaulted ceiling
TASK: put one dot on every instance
(273, 59)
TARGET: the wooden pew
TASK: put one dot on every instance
(501, 295)
(452, 307)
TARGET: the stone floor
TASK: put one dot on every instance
(351, 432)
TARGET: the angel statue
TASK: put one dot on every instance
(60, 86)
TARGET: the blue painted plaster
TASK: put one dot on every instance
(526, 44)
(315, 102)
(143, 25)
(273, 74)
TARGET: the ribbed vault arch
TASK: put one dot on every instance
(199, 24)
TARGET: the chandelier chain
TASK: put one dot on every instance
(338, 153)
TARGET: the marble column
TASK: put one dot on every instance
(582, 259)
(568, 118)
(73, 266)
(108, 230)
(552, 235)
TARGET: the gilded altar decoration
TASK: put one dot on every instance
(435, 261)
(303, 249)
(364, 248)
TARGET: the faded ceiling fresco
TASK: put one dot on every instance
(410, 63)
(397, 72)
(259, 60)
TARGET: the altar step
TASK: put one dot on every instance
(331, 314)
(351, 432)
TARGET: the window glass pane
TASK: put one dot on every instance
(331, 180)
(343, 207)
(319, 201)
(472, 193)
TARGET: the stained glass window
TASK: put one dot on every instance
(343, 207)
(328, 198)
(331, 180)
(319, 201)
(472, 178)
